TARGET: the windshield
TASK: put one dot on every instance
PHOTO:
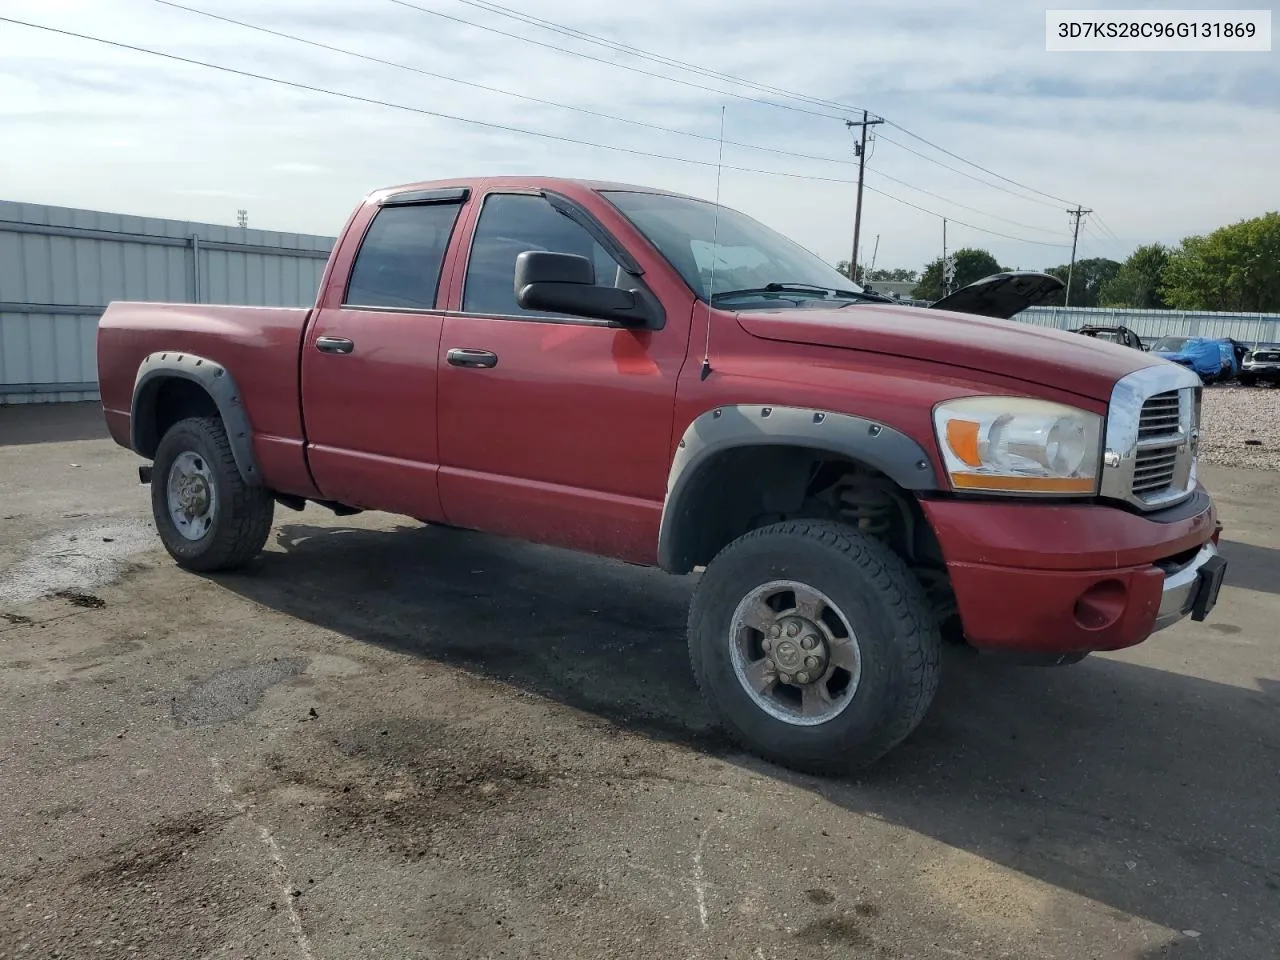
(1169, 344)
(748, 255)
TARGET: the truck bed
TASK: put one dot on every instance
(261, 345)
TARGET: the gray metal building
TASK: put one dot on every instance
(60, 267)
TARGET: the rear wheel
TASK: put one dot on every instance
(208, 518)
(814, 645)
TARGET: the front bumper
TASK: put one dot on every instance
(1041, 578)
(1268, 371)
(1191, 589)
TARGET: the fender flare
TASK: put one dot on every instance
(875, 444)
(216, 381)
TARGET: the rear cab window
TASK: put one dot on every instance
(402, 254)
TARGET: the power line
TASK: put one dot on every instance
(957, 203)
(1107, 230)
(500, 10)
(574, 32)
(498, 90)
(898, 126)
(552, 103)
(609, 63)
(933, 213)
(485, 123)
(965, 173)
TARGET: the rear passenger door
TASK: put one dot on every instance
(369, 363)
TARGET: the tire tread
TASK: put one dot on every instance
(242, 528)
(907, 609)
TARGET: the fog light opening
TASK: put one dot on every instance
(1101, 605)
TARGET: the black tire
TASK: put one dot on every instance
(244, 514)
(1247, 380)
(882, 601)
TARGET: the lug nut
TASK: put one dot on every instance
(768, 645)
(809, 642)
(811, 663)
(775, 631)
(802, 677)
(793, 629)
(784, 677)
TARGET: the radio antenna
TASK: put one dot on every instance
(715, 245)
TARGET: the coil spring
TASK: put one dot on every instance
(869, 509)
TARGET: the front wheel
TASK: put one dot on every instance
(815, 645)
(208, 518)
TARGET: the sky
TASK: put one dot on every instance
(1159, 146)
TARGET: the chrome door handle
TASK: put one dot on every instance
(466, 357)
(334, 345)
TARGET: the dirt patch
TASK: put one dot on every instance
(234, 692)
(833, 932)
(17, 619)
(163, 893)
(77, 599)
(405, 785)
(143, 857)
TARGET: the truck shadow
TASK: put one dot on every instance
(1252, 567)
(1148, 791)
(51, 423)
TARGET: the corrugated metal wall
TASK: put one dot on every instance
(60, 267)
(1150, 325)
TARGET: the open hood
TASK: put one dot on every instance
(1001, 295)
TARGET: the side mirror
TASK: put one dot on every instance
(566, 283)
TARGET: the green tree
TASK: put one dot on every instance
(971, 265)
(1087, 280)
(1236, 267)
(896, 275)
(864, 276)
(1137, 283)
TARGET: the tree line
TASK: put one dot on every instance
(1234, 268)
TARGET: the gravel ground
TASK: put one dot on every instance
(1241, 427)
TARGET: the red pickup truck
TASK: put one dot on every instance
(650, 377)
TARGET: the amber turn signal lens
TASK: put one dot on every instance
(982, 481)
(962, 438)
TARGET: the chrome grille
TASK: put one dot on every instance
(1152, 434)
(1156, 462)
(1160, 415)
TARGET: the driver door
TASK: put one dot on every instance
(552, 428)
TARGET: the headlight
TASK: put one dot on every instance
(1019, 445)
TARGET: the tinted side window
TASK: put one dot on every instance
(509, 225)
(399, 262)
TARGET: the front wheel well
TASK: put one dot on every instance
(745, 488)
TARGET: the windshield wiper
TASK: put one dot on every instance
(827, 292)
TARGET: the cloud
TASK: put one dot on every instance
(1160, 146)
(294, 166)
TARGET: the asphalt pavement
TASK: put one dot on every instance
(385, 739)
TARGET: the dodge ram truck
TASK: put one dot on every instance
(849, 483)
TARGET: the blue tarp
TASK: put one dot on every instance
(1205, 356)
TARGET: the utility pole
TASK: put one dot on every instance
(860, 150)
(948, 263)
(242, 218)
(1077, 213)
(875, 251)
